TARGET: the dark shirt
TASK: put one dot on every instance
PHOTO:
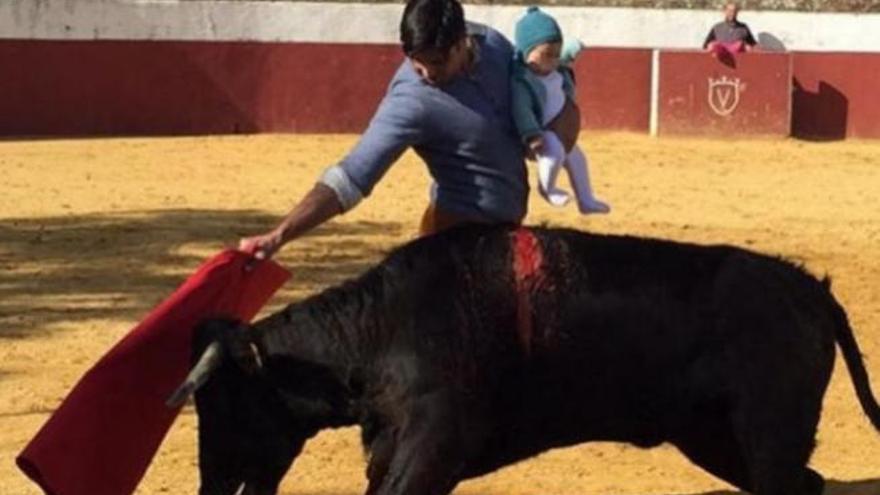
(730, 32)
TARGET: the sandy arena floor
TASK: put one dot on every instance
(93, 233)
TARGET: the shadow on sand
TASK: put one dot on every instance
(120, 265)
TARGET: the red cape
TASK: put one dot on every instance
(103, 436)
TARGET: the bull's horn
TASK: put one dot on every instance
(209, 361)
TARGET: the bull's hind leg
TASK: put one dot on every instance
(775, 364)
(775, 477)
(778, 438)
(711, 445)
(781, 475)
(813, 482)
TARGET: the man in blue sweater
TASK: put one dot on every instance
(450, 101)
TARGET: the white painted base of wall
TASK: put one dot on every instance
(288, 21)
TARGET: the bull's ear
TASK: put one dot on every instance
(240, 345)
(236, 338)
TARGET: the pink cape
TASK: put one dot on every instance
(103, 436)
(734, 47)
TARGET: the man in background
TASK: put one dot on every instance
(730, 35)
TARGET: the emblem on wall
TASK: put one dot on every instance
(724, 95)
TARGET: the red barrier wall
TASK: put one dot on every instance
(121, 87)
(749, 94)
(162, 87)
(614, 89)
(836, 95)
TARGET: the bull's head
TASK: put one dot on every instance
(248, 436)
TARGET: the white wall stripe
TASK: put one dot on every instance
(655, 93)
(288, 21)
(199, 21)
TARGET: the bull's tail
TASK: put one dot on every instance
(853, 357)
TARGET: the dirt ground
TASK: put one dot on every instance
(94, 233)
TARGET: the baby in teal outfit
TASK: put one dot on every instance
(541, 83)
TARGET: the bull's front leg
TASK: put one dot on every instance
(427, 455)
(381, 455)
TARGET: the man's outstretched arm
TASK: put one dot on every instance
(393, 129)
(318, 206)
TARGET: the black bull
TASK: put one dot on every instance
(722, 352)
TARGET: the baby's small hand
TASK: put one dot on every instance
(536, 145)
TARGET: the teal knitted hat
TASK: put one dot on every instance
(534, 28)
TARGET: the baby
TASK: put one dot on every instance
(542, 81)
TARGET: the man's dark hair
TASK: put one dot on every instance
(431, 24)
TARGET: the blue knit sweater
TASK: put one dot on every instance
(463, 131)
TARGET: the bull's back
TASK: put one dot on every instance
(625, 318)
(643, 336)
